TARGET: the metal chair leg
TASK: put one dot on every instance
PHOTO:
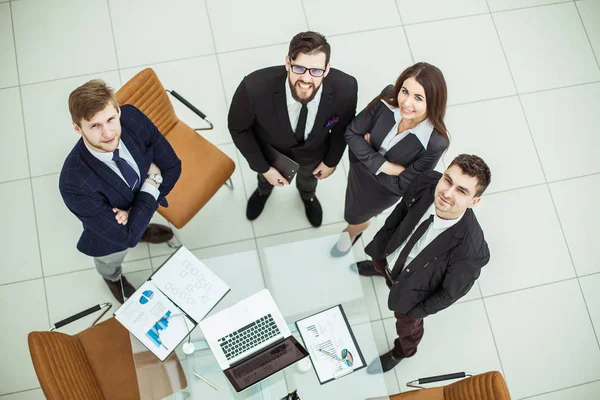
(229, 183)
(176, 242)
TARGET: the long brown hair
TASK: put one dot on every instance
(436, 94)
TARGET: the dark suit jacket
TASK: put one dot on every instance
(90, 189)
(258, 117)
(409, 152)
(445, 270)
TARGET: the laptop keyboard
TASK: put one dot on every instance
(261, 361)
(249, 336)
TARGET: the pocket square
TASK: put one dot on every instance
(331, 122)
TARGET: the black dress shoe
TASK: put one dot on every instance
(156, 233)
(256, 205)
(366, 268)
(386, 363)
(314, 212)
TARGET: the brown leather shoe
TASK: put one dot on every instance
(156, 233)
(115, 289)
(118, 288)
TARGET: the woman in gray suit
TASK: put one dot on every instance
(399, 135)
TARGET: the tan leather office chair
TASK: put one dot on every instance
(204, 168)
(97, 364)
(488, 386)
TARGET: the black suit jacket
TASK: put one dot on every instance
(258, 117)
(442, 272)
(409, 152)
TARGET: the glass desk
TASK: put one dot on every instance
(303, 279)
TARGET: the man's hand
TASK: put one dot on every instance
(368, 137)
(154, 169)
(323, 171)
(275, 178)
(121, 216)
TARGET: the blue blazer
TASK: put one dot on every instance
(90, 189)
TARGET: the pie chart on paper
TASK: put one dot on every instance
(146, 296)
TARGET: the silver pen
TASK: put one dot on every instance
(206, 380)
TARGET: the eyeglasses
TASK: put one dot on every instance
(300, 70)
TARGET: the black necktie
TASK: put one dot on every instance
(418, 234)
(131, 177)
(301, 127)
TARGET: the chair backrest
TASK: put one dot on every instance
(111, 360)
(145, 92)
(488, 386)
(62, 367)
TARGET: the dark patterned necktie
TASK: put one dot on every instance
(131, 177)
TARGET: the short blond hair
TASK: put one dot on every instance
(90, 98)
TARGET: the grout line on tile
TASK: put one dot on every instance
(587, 34)
(512, 77)
(412, 57)
(587, 308)
(305, 16)
(14, 180)
(21, 281)
(527, 288)
(574, 177)
(114, 40)
(69, 77)
(26, 390)
(535, 6)
(258, 252)
(447, 19)
(260, 46)
(559, 390)
(167, 61)
(487, 316)
(8, 87)
(37, 230)
(212, 34)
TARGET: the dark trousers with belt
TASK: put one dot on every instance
(305, 182)
(410, 331)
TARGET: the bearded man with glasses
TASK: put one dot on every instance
(300, 110)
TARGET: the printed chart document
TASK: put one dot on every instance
(168, 306)
(331, 344)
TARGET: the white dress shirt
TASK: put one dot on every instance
(435, 229)
(106, 158)
(422, 131)
(294, 108)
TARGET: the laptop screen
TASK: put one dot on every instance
(265, 363)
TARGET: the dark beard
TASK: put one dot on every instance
(298, 98)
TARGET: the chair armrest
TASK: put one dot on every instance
(193, 109)
(82, 314)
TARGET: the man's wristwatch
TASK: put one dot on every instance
(156, 178)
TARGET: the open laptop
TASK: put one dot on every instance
(251, 340)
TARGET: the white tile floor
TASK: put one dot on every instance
(524, 93)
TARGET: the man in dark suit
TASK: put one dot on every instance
(300, 110)
(430, 250)
(114, 179)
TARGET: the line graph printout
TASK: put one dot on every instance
(190, 284)
(330, 342)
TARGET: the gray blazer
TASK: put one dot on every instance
(409, 152)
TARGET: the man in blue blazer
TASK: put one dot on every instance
(114, 179)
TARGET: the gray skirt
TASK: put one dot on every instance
(368, 195)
